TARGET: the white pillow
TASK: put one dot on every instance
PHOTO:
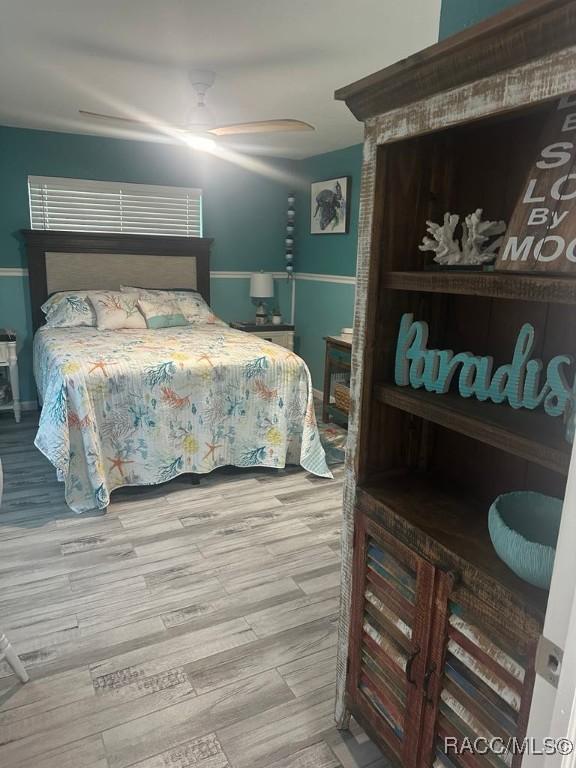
(115, 310)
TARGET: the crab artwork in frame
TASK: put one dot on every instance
(330, 206)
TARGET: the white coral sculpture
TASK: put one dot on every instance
(477, 246)
(478, 243)
(442, 241)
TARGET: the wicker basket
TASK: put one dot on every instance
(342, 397)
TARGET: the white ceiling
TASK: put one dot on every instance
(273, 59)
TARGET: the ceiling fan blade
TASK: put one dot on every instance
(261, 126)
(130, 120)
(119, 119)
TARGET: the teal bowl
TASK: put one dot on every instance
(524, 529)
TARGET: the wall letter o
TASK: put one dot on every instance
(555, 190)
(560, 243)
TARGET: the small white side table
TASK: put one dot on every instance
(9, 359)
(278, 334)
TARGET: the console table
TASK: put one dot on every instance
(336, 371)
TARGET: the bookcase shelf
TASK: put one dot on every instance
(497, 285)
(530, 435)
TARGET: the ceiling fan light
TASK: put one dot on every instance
(200, 141)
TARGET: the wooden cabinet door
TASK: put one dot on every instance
(393, 591)
(478, 682)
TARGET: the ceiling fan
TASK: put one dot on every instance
(200, 121)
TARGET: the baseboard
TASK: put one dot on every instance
(29, 405)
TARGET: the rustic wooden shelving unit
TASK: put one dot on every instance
(442, 634)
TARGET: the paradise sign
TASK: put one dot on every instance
(522, 383)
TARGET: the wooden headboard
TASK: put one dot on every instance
(61, 261)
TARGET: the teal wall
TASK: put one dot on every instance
(243, 211)
(230, 298)
(324, 308)
(456, 15)
(328, 254)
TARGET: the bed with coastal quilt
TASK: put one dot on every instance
(141, 406)
(140, 382)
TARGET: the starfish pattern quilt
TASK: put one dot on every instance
(140, 407)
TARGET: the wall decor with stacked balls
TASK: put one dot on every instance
(289, 241)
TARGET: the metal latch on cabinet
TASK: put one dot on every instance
(548, 660)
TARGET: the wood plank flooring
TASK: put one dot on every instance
(187, 626)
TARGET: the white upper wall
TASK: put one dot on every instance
(273, 59)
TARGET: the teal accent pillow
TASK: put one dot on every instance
(162, 314)
(191, 303)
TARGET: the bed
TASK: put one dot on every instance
(140, 407)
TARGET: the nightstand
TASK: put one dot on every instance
(278, 334)
(9, 359)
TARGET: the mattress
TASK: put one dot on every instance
(141, 407)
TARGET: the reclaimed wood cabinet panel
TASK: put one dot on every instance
(433, 666)
(478, 684)
(393, 593)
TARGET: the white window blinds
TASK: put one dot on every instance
(104, 206)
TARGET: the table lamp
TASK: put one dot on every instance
(261, 287)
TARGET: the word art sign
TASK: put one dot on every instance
(522, 382)
(542, 232)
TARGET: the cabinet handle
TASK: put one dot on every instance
(429, 672)
(409, 663)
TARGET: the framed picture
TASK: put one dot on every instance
(330, 206)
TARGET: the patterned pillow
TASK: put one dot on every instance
(162, 313)
(193, 306)
(57, 298)
(70, 312)
(116, 310)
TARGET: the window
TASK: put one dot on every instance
(108, 206)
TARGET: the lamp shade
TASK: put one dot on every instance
(261, 285)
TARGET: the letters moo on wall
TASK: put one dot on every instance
(541, 235)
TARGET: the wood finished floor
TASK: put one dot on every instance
(187, 626)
